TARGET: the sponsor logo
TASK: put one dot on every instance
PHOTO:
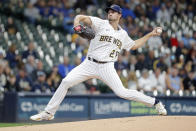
(179, 107)
(108, 108)
(72, 107)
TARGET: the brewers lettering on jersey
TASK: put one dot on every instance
(103, 51)
(107, 42)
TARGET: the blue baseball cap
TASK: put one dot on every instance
(41, 73)
(114, 8)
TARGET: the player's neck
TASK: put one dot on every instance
(114, 24)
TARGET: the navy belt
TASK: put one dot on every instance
(96, 61)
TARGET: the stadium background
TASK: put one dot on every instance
(38, 48)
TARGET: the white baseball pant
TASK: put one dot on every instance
(105, 72)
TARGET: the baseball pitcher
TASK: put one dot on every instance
(107, 39)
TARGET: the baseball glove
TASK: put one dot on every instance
(84, 31)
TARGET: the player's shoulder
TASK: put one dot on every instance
(124, 32)
(96, 18)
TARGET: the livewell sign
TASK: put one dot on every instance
(69, 108)
(110, 108)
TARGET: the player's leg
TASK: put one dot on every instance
(110, 77)
(73, 78)
(81, 73)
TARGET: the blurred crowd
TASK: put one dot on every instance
(165, 63)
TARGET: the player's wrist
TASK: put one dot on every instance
(76, 24)
(149, 35)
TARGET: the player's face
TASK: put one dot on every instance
(113, 15)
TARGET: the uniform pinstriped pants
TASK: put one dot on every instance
(105, 72)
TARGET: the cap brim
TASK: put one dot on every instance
(109, 8)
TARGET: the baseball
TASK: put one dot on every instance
(159, 31)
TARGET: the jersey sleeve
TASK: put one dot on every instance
(128, 42)
(96, 23)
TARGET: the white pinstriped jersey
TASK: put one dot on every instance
(104, 47)
(108, 42)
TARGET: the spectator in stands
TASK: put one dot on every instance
(191, 56)
(23, 82)
(127, 24)
(41, 4)
(30, 65)
(11, 79)
(169, 6)
(174, 82)
(182, 73)
(126, 11)
(160, 63)
(12, 57)
(2, 59)
(194, 37)
(3, 78)
(81, 3)
(7, 70)
(163, 14)
(31, 13)
(11, 27)
(173, 40)
(158, 80)
(190, 11)
(55, 7)
(119, 64)
(30, 51)
(139, 11)
(155, 6)
(38, 68)
(186, 39)
(46, 13)
(92, 89)
(140, 65)
(11, 83)
(167, 58)
(125, 57)
(178, 10)
(41, 84)
(180, 50)
(79, 89)
(181, 61)
(65, 68)
(188, 66)
(81, 44)
(150, 14)
(149, 60)
(132, 81)
(154, 43)
(54, 79)
(189, 82)
(77, 61)
(68, 22)
(145, 83)
(122, 77)
(165, 39)
(132, 63)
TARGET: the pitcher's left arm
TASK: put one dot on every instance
(140, 42)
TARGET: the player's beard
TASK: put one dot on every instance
(112, 19)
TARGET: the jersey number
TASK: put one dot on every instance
(114, 53)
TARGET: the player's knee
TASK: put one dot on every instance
(126, 93)
(66, 83)
(121, 92)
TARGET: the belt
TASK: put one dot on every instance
(96, 61)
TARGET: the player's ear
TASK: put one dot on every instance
(120, 15)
